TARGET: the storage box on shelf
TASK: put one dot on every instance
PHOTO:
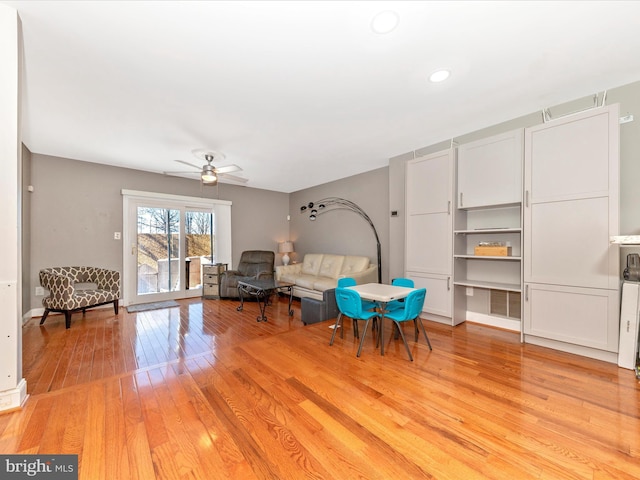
(492, 251)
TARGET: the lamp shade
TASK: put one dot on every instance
(285, 247)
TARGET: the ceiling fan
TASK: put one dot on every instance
(209, 174)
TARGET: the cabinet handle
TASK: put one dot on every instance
(448, 283)
(526, 198)
(449, 207)
(526, 293)
(461, 198)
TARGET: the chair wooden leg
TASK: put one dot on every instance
(337, 325)
(67, 318)
(44, 316)
(115, 306)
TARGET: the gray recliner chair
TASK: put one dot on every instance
(253, 264)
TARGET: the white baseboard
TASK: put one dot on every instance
(14, 398)
(500, 322)
(38, 312)
(605, 356)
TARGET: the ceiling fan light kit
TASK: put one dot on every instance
(208, 175)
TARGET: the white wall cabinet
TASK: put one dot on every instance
(487, 172)
(571, 210)
(429, 227)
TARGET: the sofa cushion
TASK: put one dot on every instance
(311, 263)
(331, 266)
(353, 264)
(289, 277)
(324, 283)
(306, 281)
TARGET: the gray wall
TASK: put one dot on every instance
(343, 231)
(77, 206)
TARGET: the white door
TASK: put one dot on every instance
(490, 171)
(429, 228)
(571, 201)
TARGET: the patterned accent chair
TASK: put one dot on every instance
(253, 264)
(78, 288)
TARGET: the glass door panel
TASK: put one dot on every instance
(199, 245)
(158, 250)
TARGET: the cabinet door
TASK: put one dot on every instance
(490, 171)
(429, 226)
(581, 316)
(428, 243)
(571, 200)
(439, 299)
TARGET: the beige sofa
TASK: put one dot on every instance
(319, 272)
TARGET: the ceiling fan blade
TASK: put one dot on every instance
(228, 169)
(189, 164)
(233, 178)
(173, 172)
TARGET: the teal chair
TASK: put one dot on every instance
(366, 304)
(399, 282)
(350, 305)
(410, 312)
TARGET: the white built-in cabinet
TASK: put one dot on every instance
(489, 209)
(429, 224)
(551, 193)
(571, 209)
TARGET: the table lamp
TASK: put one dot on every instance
(285, 248)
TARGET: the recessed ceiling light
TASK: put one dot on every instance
(439, 76)
(385, 22)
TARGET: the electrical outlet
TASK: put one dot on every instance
(469, 291)
(39, 291)
(116, 235)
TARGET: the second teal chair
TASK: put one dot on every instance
(350, 305)
(399, 282)
(411, 312)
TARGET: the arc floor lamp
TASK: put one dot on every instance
(330, 204)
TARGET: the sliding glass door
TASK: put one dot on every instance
(167, 241)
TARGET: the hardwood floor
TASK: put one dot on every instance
(202, 391)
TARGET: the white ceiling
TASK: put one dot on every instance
(303, 93)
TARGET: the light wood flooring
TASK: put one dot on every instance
(202, 391)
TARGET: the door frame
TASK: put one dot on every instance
(221, 210)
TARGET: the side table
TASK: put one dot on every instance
(211, 279)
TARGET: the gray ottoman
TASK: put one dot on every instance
(314, 311)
